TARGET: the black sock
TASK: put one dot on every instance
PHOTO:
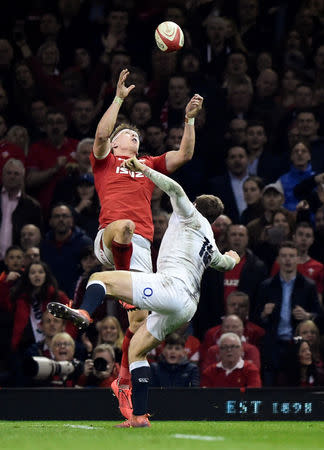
(141, 377)
(93, 297)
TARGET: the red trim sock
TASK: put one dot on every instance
(122, 255)
(124, 374)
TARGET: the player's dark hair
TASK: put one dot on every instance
(209, 206)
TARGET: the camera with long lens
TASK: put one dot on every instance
(100, 364)
(41, 368)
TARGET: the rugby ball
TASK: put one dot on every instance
(169, 37)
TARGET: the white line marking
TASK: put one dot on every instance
(83, 427)
(199, 438)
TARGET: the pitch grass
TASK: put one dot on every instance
(92, 435)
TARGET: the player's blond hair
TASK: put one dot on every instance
(123, 126)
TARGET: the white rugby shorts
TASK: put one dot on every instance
(141, 260)
(167, 297)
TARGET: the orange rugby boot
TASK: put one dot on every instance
(79, 317)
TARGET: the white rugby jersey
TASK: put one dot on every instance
(188, 247)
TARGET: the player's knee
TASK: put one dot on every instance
(125, 230)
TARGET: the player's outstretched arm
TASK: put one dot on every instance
(107, 123)
(177, 158)
(224, 262)
(179, 199)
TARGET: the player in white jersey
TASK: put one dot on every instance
(172, 294)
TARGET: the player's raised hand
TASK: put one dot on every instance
(194, 106)
(122, 91)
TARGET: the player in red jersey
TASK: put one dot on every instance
(126, 226)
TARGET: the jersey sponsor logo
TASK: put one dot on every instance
(206, 251)
(310, 271)
(231, 282)
(124, 171)
(143, 380)
(148, 292)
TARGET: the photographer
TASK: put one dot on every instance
(63, 347)
(101, 370)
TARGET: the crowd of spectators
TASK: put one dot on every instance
(259, 146)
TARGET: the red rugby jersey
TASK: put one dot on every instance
(124, 194)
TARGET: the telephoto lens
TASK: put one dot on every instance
(100, 364)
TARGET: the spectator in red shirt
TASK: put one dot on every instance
(236, 303)
(231, 370)
(47, 159)
(231, 324)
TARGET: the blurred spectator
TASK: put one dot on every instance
(50, 326)
(65, 190)
(209, 351)
(236, 303)
(220, 227)
(35, 288)
(25, 90)
(16, 208)
(308, 330)
(299, 369)
(231, 370)
(236, 134)
(236, 66)
(61, 247)
(308, 126)
(272, 199)
(160, 222)
(289, 82)
(317, 249)
(239, 99)
(83, 118)
(3, 127)
(101, 370)
(262, 162)
(110, 332)
(282, 302)
(154, 139)
(265, 105)
(31, 254)
(214, 49)
(140, 113)
(280, 229)
(311, 190)
(47, 159)
(229, 187)
(37, 119)
(301, 168)
(8, 150)
(307, 266)
(250, 272)
(19, 136)
(171, 114)
(252, 190)
(174, 369)
(13, 268)
(30, 236)
(85, 205)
